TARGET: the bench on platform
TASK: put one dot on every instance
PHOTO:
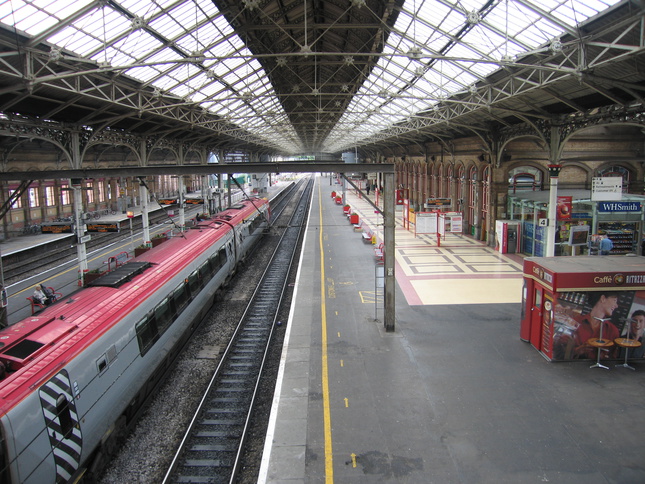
(37, 306)
(379, 252)
(367, 236)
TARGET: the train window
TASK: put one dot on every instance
(101, 364)
(181, 297)
(218, 260)
(64, 415)
(205, 271)
(163, 315)
(193, 283)
(146, 334)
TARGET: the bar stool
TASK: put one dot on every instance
(600, 343)
(627, 344)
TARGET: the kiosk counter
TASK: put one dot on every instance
(564, 300)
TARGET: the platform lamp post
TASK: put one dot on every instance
(145, 222)
(81, 238)
(130, 217)
(554, 173)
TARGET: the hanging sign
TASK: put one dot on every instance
(57, 228)
(619, 207)
(103, 227)
(606, 188)
(438, 202)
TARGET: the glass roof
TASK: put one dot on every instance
(437, 48)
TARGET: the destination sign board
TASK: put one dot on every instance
(57, 228)
(103, 227)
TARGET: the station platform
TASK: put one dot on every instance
(64, 278)
(452, 395)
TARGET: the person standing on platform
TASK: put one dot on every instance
(606, 245)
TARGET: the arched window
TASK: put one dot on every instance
(616, 171)
(524, 178)
(461, 188)
(485, 202)
(447, 182)
(472, 196)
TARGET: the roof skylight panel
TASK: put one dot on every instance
(36, 22)
(541, 32)
(437, 15)
(76, 41)
(114, 57)
(103, 23)
(143, 74)
(135, 47)
(141, 9)
(167, 27)
(571, 17)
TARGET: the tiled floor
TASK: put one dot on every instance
(460, 271)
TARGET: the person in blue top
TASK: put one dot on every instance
(606, 245)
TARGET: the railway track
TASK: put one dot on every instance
(213, 445)
(27, 263)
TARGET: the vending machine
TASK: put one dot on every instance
(566, 300)
(507, 236)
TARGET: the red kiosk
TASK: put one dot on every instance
(566, 300)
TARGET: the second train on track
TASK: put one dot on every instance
(73, 375)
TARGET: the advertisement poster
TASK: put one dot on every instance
(575, 321)
(564, 208)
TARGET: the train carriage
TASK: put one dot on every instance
(75, 373)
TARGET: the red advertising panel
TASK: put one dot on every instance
(572, 302)
(564, 208)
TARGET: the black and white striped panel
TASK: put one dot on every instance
(66, 449)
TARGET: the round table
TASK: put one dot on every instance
(600, 344)
(627, 344)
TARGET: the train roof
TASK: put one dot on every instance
(39, 346)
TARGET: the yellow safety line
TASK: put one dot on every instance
(329, 458)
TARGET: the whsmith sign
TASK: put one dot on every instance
(619, 206)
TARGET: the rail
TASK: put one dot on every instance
(212, 447)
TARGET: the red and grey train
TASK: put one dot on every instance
(72, 375)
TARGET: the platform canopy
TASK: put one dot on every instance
(305, 76)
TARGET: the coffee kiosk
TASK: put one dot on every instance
(561, 295)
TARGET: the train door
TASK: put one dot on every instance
(63, 427)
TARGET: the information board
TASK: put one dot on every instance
(103, 227)
(57, 228)
(606, 188)
(426, 223)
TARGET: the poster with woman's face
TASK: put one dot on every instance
(577, 315)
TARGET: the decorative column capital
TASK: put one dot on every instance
(554, 170)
